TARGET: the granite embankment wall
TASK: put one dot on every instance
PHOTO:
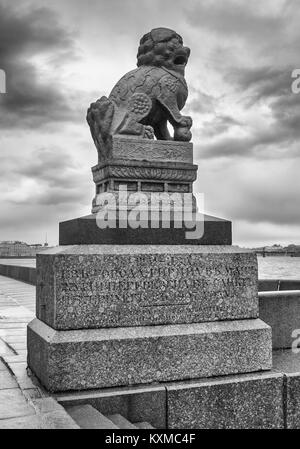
(272, 285)
(24, 274)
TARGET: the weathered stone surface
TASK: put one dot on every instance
(109, 286)
(2, 366)
(54, 420)
(249, 401)
(13, 404)
(131, 169)
(85, 359)
(144, 177)
(84, 231)
(7, 380)
(137, 149)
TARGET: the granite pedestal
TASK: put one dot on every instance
(150, 169)
(107, 315)
(124, 307)
(98, 358)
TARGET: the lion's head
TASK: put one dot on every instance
(163, 48)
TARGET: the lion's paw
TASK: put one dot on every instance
(148, 132)
(182, 134)
(186, 122)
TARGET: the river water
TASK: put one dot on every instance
(278, 267)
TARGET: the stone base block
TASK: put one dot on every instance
(84, 231)
(116, 286)
(86, 359)
(287, 363)
(252, 401)
(128, 148)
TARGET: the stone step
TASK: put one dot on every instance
(143, 425)
(121, 422)
(87, 417)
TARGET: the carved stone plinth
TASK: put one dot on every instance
(138, 149)
(159, 176)
(146, 166)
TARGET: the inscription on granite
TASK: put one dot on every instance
(110, 290)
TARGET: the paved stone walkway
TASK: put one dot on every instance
(23, 402)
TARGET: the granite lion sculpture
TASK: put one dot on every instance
(147, 98)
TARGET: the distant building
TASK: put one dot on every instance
(278, 250)
(20, 249)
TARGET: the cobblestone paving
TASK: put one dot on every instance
(23, 402)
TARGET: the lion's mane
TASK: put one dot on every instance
(157, 48)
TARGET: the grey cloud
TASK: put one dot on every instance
(31, 223)
(267, 144)
(200, 102)
(253, 191)
(59, 177)
(272, 88)
(219, 125)
(268, 200)
(277, 207)
(31, 102)
(242, 19)
(261, 83)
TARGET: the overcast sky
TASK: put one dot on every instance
(61, 55)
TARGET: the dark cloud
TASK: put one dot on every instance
(272, 143)
(53, 175)
(26, 34)
(246, 120)
(268, 87)
(261, 83)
